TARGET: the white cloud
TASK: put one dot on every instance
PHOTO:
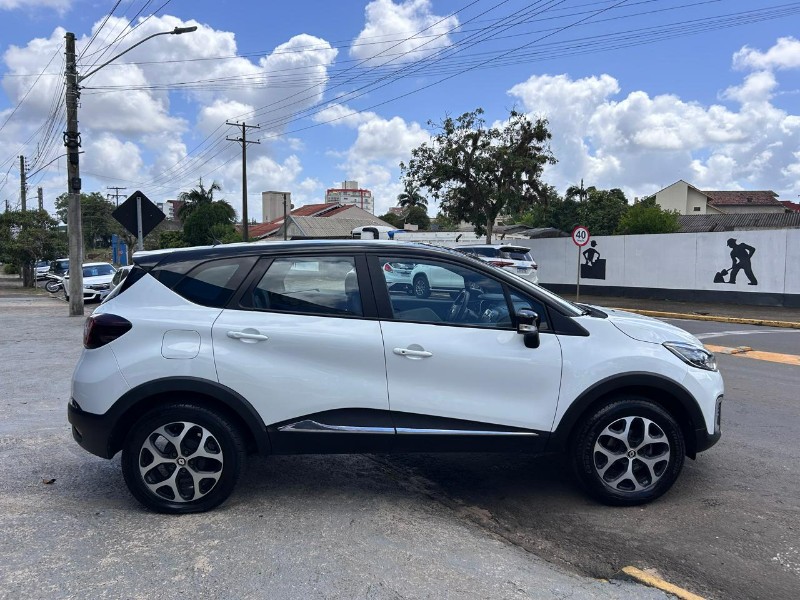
(642, 143)
(107, 154)
(785, 54)
(401, 32)
(60, 6)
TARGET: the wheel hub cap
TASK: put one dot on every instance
(631, 454)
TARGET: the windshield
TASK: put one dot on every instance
(43, 263)
(98, 270)
(568, 307)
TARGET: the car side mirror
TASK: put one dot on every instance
(528, 326)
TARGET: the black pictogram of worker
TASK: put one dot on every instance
(591, 254)
(740, 261)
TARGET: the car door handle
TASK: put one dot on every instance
(412, 353)
(244, 335)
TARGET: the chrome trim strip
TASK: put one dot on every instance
(309, 426)
(409, 430)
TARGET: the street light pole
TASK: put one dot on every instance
(72, 140)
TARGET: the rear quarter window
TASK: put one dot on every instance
(213, 283)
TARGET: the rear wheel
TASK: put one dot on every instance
(422, 288)
(182, 459)
(628, 452)
(52, 286)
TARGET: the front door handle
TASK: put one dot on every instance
(247, 336)
(412, 353)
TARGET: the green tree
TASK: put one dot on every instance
(444, 223)
(476, 172)
(171, 239)
(392, 219)
(195, 198)
(646, 216)
(209, 223)
(602, 210)
(96, 221)
(417, 215)
(411, 197)
(28, 236)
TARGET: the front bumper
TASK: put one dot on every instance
(703, 439)
(91, 431)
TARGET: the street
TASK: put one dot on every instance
(437, 526)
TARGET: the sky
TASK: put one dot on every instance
(637, 93)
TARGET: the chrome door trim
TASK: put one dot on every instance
(414, 431)
(310, 426)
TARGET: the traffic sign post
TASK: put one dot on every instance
(580, 237)
(139, 216)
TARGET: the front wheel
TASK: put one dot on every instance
(422, 288)
(52, 286)
(628, 452)
(182, 459)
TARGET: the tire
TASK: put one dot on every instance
(52, 286)
(422, 288)
(614, 461)
(158, 434)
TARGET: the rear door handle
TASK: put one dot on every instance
(412, 353)
(247, 335)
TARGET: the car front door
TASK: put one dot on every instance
(301, 342)
(459, 374)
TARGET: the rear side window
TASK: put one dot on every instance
(213, 283)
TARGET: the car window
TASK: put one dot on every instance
(519, 301)
(319, 285)
(438, 292)
(481, 251)
(98, 270)
(516, 254)
(212, 283)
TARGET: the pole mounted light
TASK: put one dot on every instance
(72, 140)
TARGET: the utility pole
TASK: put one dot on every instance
(72, 140)
(243, 140)
(285, 222)
(40, 194)
(23, 184)
(116, 193)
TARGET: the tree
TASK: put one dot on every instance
(195, 198)
(476, 171)
(411, 198)
(209, 223)
(417, 215)
(97, 223)
(646, 216)
(392, 219)
(171, 239)
(28, 236)
(602, 210)
(444, 223)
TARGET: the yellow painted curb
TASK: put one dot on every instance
(696, 317)
(747, 352)
(658, 583)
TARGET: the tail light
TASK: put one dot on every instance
(501, 263)
(101, 329)
(388, 268)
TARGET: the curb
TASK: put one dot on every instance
(639, 576)
(696, 317)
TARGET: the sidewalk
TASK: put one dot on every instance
(11, 287)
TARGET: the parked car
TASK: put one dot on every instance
(204, 355)
(96, 281)
(428, 278)
(59, 267)
(42, 269)
(515, 259)
(398, 277)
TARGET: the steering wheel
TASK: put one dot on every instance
(459, 308)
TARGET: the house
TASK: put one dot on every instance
(316, 221)
(792, 206)
(738, 222)
(689, 200)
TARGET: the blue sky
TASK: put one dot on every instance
(345, 90)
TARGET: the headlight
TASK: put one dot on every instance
(693, 355)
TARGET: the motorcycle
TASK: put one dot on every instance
(54, 283)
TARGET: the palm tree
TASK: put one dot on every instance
(411, 198)
(196, 197)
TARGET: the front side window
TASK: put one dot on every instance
(319, 285)
(438, 292)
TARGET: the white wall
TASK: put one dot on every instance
(679, 261)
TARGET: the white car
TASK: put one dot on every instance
(202, 356)
(96, 281)
(515, 259)
(399, 276)
(42, 269)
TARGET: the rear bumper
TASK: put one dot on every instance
(91, 431)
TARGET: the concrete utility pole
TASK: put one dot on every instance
(23, 184)
(40, 194)
(116, 193)
(72, 140)
(243, 140)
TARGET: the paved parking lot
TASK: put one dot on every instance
(297, 527)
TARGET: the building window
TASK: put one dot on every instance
(696, 209)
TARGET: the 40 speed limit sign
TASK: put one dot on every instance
(580, 235)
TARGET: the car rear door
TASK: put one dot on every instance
(302, 343)
(466, 381)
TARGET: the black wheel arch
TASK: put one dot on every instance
(141, 399)
(668, 394)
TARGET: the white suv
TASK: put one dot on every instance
(515, 259)
(203, 355)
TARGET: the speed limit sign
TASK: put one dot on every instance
(580, 235)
